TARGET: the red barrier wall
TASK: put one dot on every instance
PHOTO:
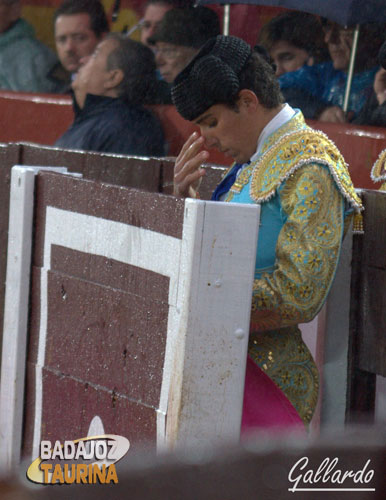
(33, 117)
(43, 118)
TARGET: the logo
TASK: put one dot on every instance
(329, 477)
(87, 460)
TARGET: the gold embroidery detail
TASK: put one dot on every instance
(285, 358)
(294, 124)
(243, 178)
(378, 172)
(306, 253)
(357, 225)
(289, 154)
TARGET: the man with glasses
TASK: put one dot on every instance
(154, 12)
(327, 81)
(179, 37)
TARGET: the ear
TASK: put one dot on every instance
(114, 78)
(310, 61)
(247, 99)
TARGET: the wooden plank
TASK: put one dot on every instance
(140, 173)
(16, 311)
(360, 146)
(119, 336)
(33, 154)
(114, 169)
(213, 175)
(111, 240)
(9, 156)
(336, 341)
(212, 345)
(367, 352)
(371, 339)
(126, 289)
(15, 316)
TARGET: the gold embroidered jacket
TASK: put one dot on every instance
(302, 183)
(378, 172)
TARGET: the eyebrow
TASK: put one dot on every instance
(203, 118)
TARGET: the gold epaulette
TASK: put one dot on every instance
(291, 152)
(378, 172)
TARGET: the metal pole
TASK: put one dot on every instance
(351, 67)
(227, 9)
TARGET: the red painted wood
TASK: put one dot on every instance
(106, 336)
(69, 405)
(130, 206)
(106, 320)
(40, 118)
(360, 147)
(43, 118)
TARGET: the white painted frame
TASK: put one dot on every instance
(206, 395)
(211, 276)
(209, 251)
(16, 311)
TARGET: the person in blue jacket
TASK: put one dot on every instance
(109, 90)
(319, 89)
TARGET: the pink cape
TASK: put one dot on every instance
(265, 405)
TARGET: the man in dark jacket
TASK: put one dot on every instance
(374, 110)
(109, 90)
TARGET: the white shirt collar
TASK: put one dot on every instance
(284, 115)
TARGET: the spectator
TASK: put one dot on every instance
(293, 39)
(179, 37)
(109, 90)
(79, 26)
(159, 93)
(25, 63)
(374, 110)
(154, 12)
(326, 82)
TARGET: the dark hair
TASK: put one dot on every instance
(259, 76)
(94, 8)
(371, 37)
(224, 66)
(300, 29)
(190, 27)
(138, 65)
(178, 4)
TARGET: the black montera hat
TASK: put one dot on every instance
(189, 27)
(211, 77)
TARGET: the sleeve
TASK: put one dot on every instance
(307, 251)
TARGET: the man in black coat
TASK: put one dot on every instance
(109, 90)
